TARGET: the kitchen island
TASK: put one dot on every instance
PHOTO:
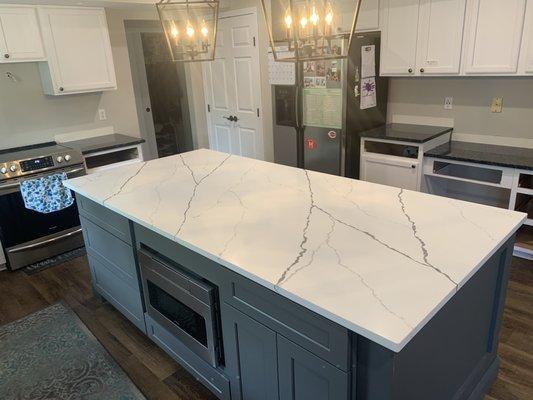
(324, 287)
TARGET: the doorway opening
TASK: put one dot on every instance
(160, 90)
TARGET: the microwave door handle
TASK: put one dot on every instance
(44, 242)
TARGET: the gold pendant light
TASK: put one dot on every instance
(307, 30)
(190, 28)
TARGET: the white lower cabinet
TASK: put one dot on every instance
(20, 36)
(391, 171)
(79, 50)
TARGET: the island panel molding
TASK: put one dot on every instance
(377, 260)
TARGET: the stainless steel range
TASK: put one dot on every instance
(28, 236)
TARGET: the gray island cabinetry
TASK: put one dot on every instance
(269, 282)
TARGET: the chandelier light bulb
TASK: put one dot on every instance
(329, 15)
(174, 31)
(189, 30)
(204, 31)
(314, 18)
(303, 22)
(288, 20)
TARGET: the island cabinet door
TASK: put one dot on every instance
(250, 349)
(303, 376)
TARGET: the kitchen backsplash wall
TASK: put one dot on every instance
(28, 116)
(471, 114)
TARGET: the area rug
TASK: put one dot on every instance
(51, 354)
(54, 261)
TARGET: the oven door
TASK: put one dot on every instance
(182, 304)
(28, 235)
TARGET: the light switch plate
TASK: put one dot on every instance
(496, 105)
(448, 103)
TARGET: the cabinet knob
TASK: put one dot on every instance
(148, 109)
(422, 70)
(413, 166)
(6, 55)
(61, 89)
(410, 70)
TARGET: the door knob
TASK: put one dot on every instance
(235, 119)
(230, 118)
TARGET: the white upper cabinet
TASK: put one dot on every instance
(440, 36)
(79, 50)
(493, 36)
(368, 19)
(399, 37)
(20, 37)
(368, 16)
(526, 54)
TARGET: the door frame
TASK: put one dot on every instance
(229, 14)
(133, 29)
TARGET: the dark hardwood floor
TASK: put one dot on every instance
(159, 377)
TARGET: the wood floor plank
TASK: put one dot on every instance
(160, 378)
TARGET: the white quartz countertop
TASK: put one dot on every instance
(378, 260)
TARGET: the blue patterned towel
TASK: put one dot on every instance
(46, 194)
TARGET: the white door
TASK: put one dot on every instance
(440, 36)
(232, 84)
(526, 54)
(79, 50)
(493, 36)
(20, 36)
(399, 37)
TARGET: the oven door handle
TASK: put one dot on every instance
(44, 242)
(16, 184)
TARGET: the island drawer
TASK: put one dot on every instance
(108, 249)
(320, 336)
(111, 221)
(205, 373)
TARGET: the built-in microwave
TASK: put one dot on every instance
(183, 303)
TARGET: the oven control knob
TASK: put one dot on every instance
(68, 157)
(3, 170)
(13, 168)
(59, 159)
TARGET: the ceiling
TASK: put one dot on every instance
(136, 4)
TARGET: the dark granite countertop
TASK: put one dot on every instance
(406, 132)
(102, 143)
(504, 156)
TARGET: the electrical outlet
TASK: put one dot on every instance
(496, 105)
(102, 114)
(448, 103)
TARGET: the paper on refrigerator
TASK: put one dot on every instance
(368, 61)
(368, 93)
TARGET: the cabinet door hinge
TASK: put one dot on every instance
(258, 112)
(208, 108)
(254, 40)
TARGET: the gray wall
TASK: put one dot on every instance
(471, 110)
(28, 116)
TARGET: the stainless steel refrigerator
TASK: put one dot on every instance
(317, 121)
